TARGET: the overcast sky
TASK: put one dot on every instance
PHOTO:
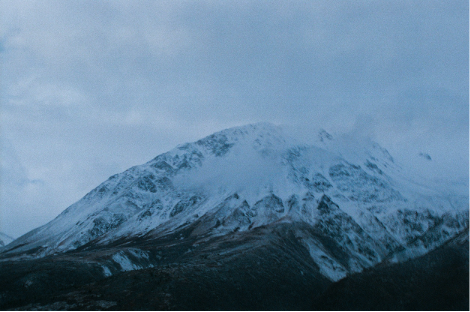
(91, 88)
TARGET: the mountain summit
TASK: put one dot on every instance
(347, 202)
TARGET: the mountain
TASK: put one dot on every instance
(252, 208)
(5, 239)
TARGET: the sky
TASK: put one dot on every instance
(91, 88)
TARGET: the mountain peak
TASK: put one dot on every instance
(261, 133)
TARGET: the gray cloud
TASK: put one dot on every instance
(91, 88)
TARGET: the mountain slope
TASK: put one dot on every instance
(5, 239)
(352, 205)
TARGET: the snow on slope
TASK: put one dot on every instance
(245, 177)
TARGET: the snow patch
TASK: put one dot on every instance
(328, 267)
(106, 271)
(125, 263)
(132, 259)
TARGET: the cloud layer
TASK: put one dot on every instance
(90, 88)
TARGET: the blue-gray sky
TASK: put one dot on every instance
(91, 88)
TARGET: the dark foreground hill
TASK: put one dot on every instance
(436, 281)
(268, 269)
(274, 274)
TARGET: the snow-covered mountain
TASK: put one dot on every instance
(345, 199)
(5, 239)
